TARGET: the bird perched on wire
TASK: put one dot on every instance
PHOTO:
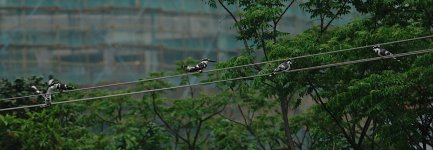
(285, 66)
(383, 52)
(200, 66)
(52, 86)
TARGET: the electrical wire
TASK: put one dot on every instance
(233, 79)
(220, 69)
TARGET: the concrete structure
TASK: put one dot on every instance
(99, 41)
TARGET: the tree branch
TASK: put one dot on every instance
(200, 123)
(235, 20)
(249, 129)
(351, 132)
(190, 87)
(176, 142)
(265, 50)
(278, 20)
(268, 84)
(364, 132)
(284, 104)
(213, 114)
(252, 116)
(155, 109)
(334, 17)
(228, 11)
(321, 103)
(285, 10)
(119, 112)
(187, 132)
(299, 143)
(205, 139)
(196, 133)
(372, 141)
(105, 120)
(242, 113)
(305, 133)
(234, 121)
(410, 139)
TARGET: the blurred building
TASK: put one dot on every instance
(99, 41)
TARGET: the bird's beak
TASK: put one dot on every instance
(212, 61)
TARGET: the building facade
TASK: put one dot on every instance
(99, 41)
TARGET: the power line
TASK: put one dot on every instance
(227, 68)
(233, 79)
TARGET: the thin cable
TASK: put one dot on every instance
(22, 107)
(227, 68)
(363, 60)
(233, 79)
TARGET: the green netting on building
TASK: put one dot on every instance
(96, 41)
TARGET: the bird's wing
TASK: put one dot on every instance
(279, 68)
(36, 89)
(50, 89)
(382, 50)
(202, 65)
(192, 69)
(282, 66)
(388, 52)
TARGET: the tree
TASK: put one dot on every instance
(364, 98)
(17, 88)
(257, 21)
(327, 11)
(402, 12)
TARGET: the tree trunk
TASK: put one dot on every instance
(265, 51)
(423, 132)
(119, 112)
(285, 111)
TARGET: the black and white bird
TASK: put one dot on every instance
(52, 86)
(285, 66)
(383, 52)
(200, 66)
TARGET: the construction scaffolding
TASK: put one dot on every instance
(97, 41)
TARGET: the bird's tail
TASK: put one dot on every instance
(35, 89)
(64, 87)
(47, 104)
(187, 67)
(272, 74)
(387, 53)
(393, 57)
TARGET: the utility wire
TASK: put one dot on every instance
(227, 68)
(233, 79)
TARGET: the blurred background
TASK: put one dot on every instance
(100, 41)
